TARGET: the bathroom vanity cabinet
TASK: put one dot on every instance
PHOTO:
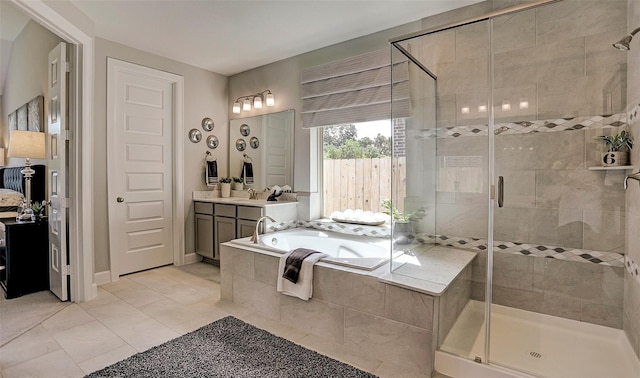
(218, 220)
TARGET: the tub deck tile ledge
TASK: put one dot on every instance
(429, 269)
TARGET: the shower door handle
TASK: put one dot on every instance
(500, 191)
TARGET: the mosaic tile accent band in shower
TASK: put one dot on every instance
(632, 268)
(533, 250)
(537, 126)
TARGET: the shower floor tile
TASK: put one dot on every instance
(542, 345)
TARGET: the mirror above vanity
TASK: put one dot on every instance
(266, 142)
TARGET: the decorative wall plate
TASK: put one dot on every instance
(254, 142)
(212, 141)
(207, 124)
(195, 135)
(245, 129)
(241, 145)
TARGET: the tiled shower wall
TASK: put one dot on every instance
(554, 64)
(631, 320)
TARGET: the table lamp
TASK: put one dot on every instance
(27, 144)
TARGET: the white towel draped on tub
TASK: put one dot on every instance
(303, 289)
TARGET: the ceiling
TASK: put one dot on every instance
(232, 36)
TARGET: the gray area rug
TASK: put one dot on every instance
(229, 347)
(23, 313)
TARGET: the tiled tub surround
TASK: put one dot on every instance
(546, 279)
(393, 317)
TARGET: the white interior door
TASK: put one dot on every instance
(56, 168)
(140, 121)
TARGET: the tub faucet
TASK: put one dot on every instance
(255, 239)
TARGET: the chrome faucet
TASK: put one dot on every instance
(255, 239)
(252, 194)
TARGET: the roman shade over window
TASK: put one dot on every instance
(355, 89)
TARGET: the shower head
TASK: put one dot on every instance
(623, 44)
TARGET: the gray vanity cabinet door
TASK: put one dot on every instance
(225, 230)
(204, 235)
(246, 228)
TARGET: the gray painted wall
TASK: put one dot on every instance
(205, 95)
(26, 75)
(283, 79)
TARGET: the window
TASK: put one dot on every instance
(358, 165)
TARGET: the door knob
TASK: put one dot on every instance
(120, 199)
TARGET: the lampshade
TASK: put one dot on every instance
(26, 144)
(236, 107)
(270, 100)
(246, 104)
(257, 102)
(1, 157)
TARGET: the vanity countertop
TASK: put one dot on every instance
(205, 196)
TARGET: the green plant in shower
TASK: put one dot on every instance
(618, 142)
(400, 216)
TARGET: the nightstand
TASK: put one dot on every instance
(23, 257)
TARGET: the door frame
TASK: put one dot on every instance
(177, 166)
(81, 211)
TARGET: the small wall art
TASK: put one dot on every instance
(35, 114)
(13, 121)
(22, 117)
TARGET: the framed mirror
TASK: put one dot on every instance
(212, 141)
(269, 145)
(195, 135)
(207, 124)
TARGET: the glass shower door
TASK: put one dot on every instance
(446, 141)
(559, 237)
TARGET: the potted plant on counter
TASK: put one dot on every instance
(403, 231)
(618, 147)
(238, 183)
(225, 187)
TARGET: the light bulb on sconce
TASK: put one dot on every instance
(506, 106)
(524, 103)
(257, 102)
(244, 103)
(270, 100)
(236, 107)
(482, 108)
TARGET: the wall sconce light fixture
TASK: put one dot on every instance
(257, 99)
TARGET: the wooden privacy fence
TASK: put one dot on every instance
(363, 183)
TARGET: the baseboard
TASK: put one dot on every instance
(102, 277)
(191, 258)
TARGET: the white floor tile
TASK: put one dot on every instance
(106, 359)
(117, 315)
(145, 334)
(88, 341)
(55, 364)
(71, 316)
(32, 344)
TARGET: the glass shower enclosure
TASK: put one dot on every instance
(501, 156)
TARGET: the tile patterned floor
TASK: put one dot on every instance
(140, 311)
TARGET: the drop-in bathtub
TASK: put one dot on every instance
(361, 252)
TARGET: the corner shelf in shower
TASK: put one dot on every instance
(614, 168)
